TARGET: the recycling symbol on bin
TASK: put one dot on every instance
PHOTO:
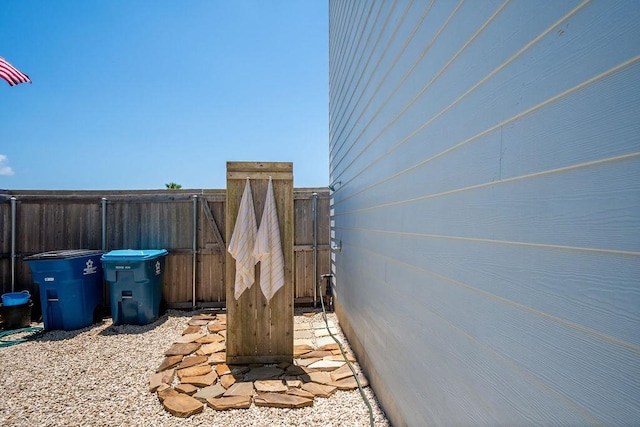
(89, 268)
(158, 267)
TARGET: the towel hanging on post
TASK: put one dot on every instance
(242, 243)
(268, 249)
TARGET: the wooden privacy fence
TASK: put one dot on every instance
(152, 219)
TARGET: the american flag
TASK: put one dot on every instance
(11, 74)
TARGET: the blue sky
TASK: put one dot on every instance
(136, 94)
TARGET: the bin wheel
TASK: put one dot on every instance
(163, 307)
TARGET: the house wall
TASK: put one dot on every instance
(485, 161)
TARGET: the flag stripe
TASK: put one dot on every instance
(11, 74)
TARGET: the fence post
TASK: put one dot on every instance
(195, 250)
(13, 244)
(315, 247)
(103, 202)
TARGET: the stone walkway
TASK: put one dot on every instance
(194, 373)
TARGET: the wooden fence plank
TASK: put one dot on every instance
(211, 221)
(56, 220)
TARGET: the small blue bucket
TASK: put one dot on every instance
(15, 298)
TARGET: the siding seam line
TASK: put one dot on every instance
(382, 55)
(630, 346)
(427, 86)
(340, 110)
(395, 89)
(342, 79)
(504, 64)
(536, 380)
(493, 128)
(488, 183)
(494, 241)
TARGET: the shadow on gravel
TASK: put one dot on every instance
(60, 335)
(133, 329)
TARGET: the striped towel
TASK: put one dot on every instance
(267, 248)
(242, 242)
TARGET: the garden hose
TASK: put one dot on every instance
(7, 343)
(355, 375)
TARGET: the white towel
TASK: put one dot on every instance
(242, 242)
(267, 248)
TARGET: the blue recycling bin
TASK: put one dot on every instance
(71, 286)
(135, 281)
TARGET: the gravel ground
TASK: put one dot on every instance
(98, 376)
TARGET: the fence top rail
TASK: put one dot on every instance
(134, 196)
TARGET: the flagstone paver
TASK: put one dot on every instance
(198, 359)
(279, 400)
(216, 327)
(303, 341)
(194, 371)
(192, 361)
(301, 326)
(167, 376)
(230, 402)
(239, 369)
(183, 405)
(219, 357)
(204, 316)
(323, 325)
(306, 362)
(317, 377)
(169, 362)
(325, 332)
(208, 339)
(294, 370)
(189, 389)
(300, 392)
(187, 338)
(293, 383)
(201, 380)
(319, 390)
(166, 392)
(270, 386)
(326, 365)
(327, 343)
(182, 349)
(222, 369)
(340, 357)
(155, 380)
(299, 350)
(211, 348)
(319, 354)
(264, 373)
(342, 372)
(205, 393)
(227, 380)
(349, 383)
(303, 334)
(240, 389)
(192, 329)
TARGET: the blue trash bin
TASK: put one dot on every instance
(71, 286)
(135, 281)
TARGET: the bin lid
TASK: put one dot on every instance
(73, 253)
(133, 254)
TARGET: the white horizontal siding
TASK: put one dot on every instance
(486, 162)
